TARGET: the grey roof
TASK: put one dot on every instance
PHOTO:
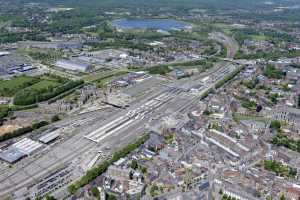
(258, 124)
(294, 111)
(74, 65)
(27, 145)
(49, 137)
(11, 155)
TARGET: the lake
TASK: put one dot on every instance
(158, 24)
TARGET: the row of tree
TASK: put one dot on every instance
(15, 37)
(228, 77)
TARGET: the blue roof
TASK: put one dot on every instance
(11, 155)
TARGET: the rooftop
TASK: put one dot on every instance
(12, 155)
(50, 136)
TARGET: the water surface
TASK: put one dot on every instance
(157, 24)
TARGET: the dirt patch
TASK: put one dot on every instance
(8, 128)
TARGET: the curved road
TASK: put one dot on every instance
(230, 43)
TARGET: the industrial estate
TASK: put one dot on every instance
(169, 100)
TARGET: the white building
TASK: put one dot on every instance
(288, 114)
(73, 65)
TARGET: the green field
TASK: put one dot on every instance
(44, 85)
(99, 76)
(43, 91)
(259, 37)
(8, 88)
(238, 117)
(27, 90)
(11, 87)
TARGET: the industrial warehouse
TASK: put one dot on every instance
(26, 147)
(19, 150)
(73, 65)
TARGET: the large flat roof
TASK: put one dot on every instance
(74, 65)
(49, 136)
(11, 155)
(27, 146)
(293, 110)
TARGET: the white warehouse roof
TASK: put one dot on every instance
(50, 136)
(4, 53)
(27, 146)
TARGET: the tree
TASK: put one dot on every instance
(153, 190)
(95, 192)
(134, 164)
(4, 111)
(206, 112)
(271, 72)
(275, 125)
(282, 197)
(269, 198)
(39, 124)
(143, 169)
(48, 197)
(220, 191)
(111, 197)
(225, 196)
(72, 189)
(55, 118)
(273, 98)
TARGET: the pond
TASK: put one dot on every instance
(157, 24)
